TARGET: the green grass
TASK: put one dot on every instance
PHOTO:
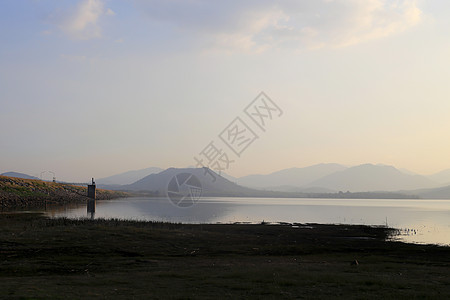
(44, 258)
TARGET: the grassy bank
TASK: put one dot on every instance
(61, 258)
(17, 192)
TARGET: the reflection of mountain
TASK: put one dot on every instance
(19, 175)
(162, 209)
(127, 177)
(150, 209)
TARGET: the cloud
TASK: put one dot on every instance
(73, 58)
(46, 32)
(259, 24)
(341, 23)
(110, 12)
(83, 22)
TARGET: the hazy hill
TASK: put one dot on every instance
(406, 171)
(296, 189)
(223, 174)
(370, 177)
(128, 177)
(229, 177)
(294, 177)
(158, 183)
(442, 177)
(363, 178)
(19, 175)
(434, 193)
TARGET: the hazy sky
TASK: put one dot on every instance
(91, 88)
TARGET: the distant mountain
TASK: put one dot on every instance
(296, 189)
(406, 171)
(223, 174)
(324, 180)
(19, 175)
(212, 183)
(229, 177)
(368, 177)
(442, 177)
(296, 177)
(127, 177)
(436, 193)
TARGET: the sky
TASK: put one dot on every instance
(92, 88)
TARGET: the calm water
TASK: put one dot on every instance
(421, 221)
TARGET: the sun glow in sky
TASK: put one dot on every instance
(91, 88)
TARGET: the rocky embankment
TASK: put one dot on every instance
(17, 192)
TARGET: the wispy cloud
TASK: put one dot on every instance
(260, 24)
(83, 22)
(341, 23)
(73, 58)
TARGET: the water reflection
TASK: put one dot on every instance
(430, 219)
(154, 209)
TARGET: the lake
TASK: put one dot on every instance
(420, 221)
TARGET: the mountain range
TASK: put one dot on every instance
(19, 175)
(335, 177)
(128, 177)
(442, 177)
(212, 184)
(317, 179)
(290, 178)
(368, 177)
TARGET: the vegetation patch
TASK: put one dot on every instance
(66, 258)
(29, 193)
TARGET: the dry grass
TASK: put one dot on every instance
(62, 258)
(17, 192)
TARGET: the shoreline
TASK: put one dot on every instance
(52, 258)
